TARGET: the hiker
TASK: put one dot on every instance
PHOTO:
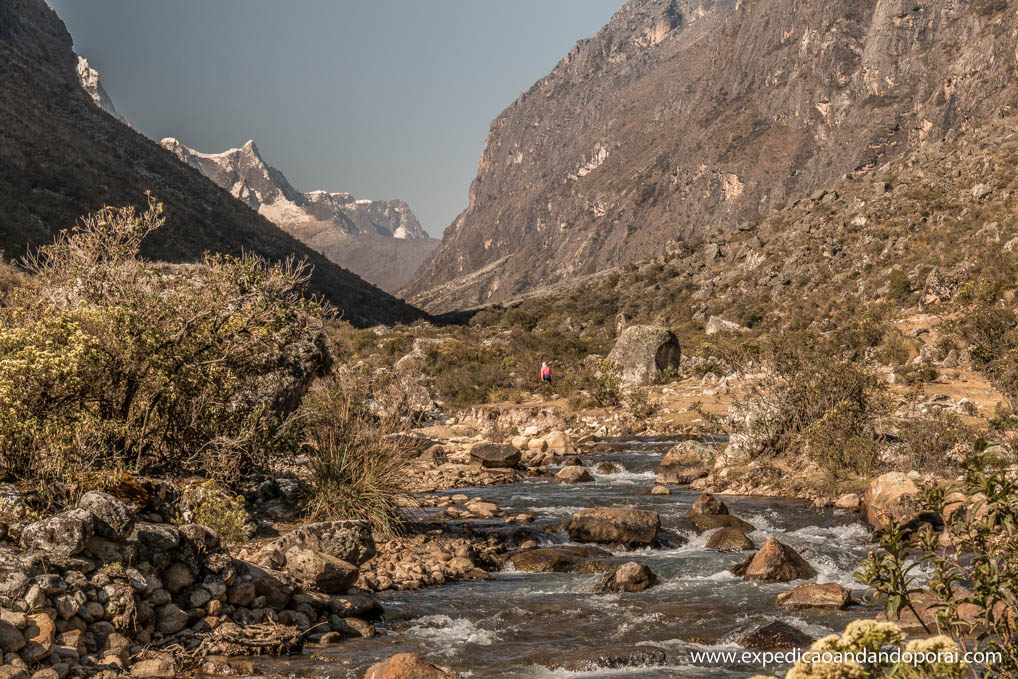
(545, 373)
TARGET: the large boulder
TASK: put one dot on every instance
(707, 504)
(348, 541)
(563, 559)
(643, 351)
(729, 539)
(684, 463)
(629, 577)
(573, 474)
(65, 534)
(495, 455)
(112, 518)
(892, 496)
(775, 562)
(830, 595)
(408, 666)
(615, 525)
(323, 572)
(716, 324)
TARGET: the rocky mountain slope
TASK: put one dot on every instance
(379, 240)
(61, 157)
(686, 114)
(91, 83)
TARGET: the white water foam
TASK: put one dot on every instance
(449, 633)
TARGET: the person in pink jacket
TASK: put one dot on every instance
(545, 373)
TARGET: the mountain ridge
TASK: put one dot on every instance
(382, 241)
(62, 157)
(680, 116)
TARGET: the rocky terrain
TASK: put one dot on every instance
(681, 116)
(381, 241)
(62, 157)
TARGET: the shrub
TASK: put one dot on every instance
(210, 505)
(604, 383)
(863, 638)
(117, 363)
(977, 568)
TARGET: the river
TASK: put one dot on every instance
(518, 624)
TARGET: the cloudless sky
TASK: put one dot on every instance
(380, 98)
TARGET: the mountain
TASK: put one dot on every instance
(682, 115)
(90, 82)
(379, 240)
(61, 157)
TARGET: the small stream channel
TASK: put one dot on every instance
(518, 624)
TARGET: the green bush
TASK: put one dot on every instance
(112, 362)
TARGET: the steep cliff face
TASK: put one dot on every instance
(381, 241)
(682, 115)
(61, 157)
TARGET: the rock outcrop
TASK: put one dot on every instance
(381, 241)
(682, 116)
(643, 351)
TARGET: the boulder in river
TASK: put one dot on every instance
(729, 539)
(608, 468)
(562, 559)
(830, 595)
(613, 659)
(643, 351)
(775, 636)
(573, 474)
(629, 577)
(408, 666)
(892, 496)
(684, 463)
(775, 562)
(495, 455)
(615, 525)
(706, 522)
(709, 505)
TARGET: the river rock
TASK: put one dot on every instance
(348, 541)
(562, 559)
(65, 534)
(495, 455)
(707, 505)
(154, 668)
(11, 640)
(573, 474)
(558, 442)
(684, 463)
(890, 496)
(707, 522)
(615, 525)
(629, 577)
(613, 659)
(660, 490)
(775, 562)
(849, 501)
(323, 572)
(408, 666)
(729, 539)
(830, 595)
(643, 351)
(775, 636)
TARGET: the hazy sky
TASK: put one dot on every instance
(380, 98)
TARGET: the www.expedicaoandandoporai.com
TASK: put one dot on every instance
(871, 658)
